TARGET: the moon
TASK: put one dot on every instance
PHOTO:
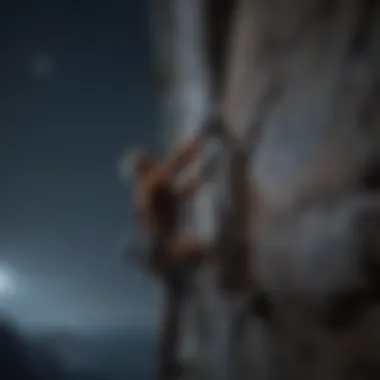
(42, 65)
(7, 283)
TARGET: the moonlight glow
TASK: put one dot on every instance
(7, 283)
(42, 65)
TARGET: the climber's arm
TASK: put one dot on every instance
(190, 148)
(192, 185)
(184, 155)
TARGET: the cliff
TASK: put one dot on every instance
(312, 152)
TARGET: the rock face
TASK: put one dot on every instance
(314, 237)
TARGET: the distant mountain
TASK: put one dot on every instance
(14, 362)
(112, 354)
(100, 355)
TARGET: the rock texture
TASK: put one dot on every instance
(314, 241)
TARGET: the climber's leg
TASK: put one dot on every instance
(175, 288)
(187, 256)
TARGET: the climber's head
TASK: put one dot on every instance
(136, 163)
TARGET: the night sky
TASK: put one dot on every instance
(76, 89)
